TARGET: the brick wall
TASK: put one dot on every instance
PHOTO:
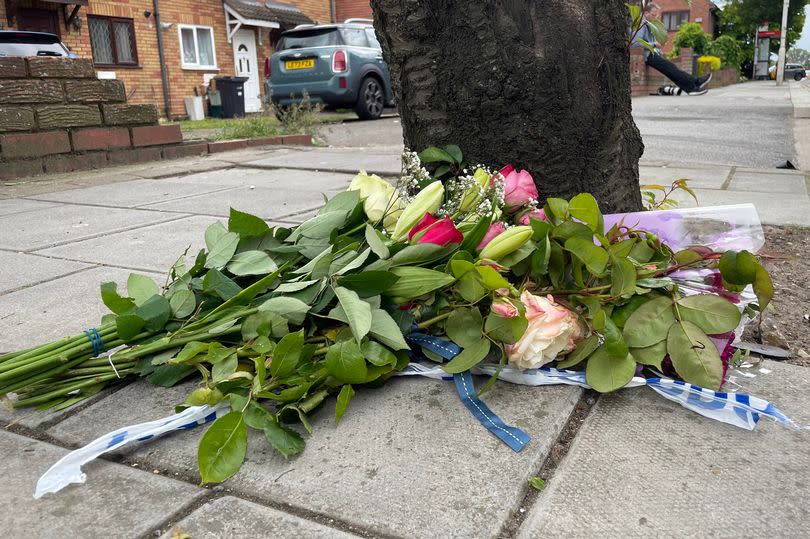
(646, 80)
(55, 116)
(700, 11)
(143, 82)
(347, 9)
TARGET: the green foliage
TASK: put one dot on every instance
(728, 50)
(690, 35)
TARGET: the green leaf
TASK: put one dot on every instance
(385, 329)
(622, 312)
(155, 312)
(182, 303)
(358, 312)
(469, 357)
(292, 309)
(287, 354)
(221, 250)
(223, 369)
(655, 282)
(355, 263)
(128, 326)
(606, 373)
(169, 375)
(649, 323)
(454, 152)
(473, 238)
(285, 441)
(658, 31)
(421, 253)
(377, 354)
(113, 301)
(584, 349)
(537, 483)
(376, 243)
(491, 279)
(641, 252)
(464, 327)
(343, 399)
(763, 288)
(222, 448)
(505, 330)
(342, 202)
(622, 278)
(140, 288)
(190, 352)
(650, 355)
(369, 283)
(622, 249)
(217, 284)
(594, 257)
(540, 229)
(246, 225)
(614, 341)
(710, 313)
(433, 154)
(345, 362)
(572, 229)
(251, 263)
(584, 207)
(558, 207)
(320, 226)
(694, 355)
(264, 323)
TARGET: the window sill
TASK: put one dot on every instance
(107, 67)
(197, 68)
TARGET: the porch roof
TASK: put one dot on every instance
(266, 14)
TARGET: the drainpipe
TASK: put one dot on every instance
(164, 75)
(332, 10)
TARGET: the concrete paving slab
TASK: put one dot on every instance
(233, 517)
(699, 177)
(21, 270)
(58, 308)
(154, 247)
(55, 226)
(407, 459)
(129, 194)
(11, 206)
(259, 177)
(299, 217)
(117, 501)
(642, 466)
(773, 208)
(383, 161)
(178, 167)
(267, 203)
(764, 182)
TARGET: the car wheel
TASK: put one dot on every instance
(798, 76)
(370, 99)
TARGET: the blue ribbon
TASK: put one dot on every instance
(514, 437)
(96, 341)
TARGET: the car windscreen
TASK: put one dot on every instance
(31, 49)
(321, 37)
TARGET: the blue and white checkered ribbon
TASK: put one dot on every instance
(69, 468)
(735, 409)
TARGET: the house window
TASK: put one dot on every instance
(113, 41)
(674, 19)
(197, 47)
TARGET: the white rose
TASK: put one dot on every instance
(552, 330)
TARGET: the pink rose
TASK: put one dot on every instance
(503, 307)
(519, 187)
(432, 230)
(526, 218)
(495, 229)
(553, 330)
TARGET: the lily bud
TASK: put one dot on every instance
(380, 199)
(473, 196)
(507, 242)
(428, 200)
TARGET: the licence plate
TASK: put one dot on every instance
(300, 64)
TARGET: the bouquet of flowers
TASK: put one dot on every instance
(274, 321)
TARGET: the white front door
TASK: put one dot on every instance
(244, 58)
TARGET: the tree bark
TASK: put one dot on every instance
(542, 84)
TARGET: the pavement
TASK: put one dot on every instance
(408, 460)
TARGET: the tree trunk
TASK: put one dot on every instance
(542, 84)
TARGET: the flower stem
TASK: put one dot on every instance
(429, 322)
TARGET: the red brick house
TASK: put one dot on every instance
(352, 9)
(200, 40)
(676, 12)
